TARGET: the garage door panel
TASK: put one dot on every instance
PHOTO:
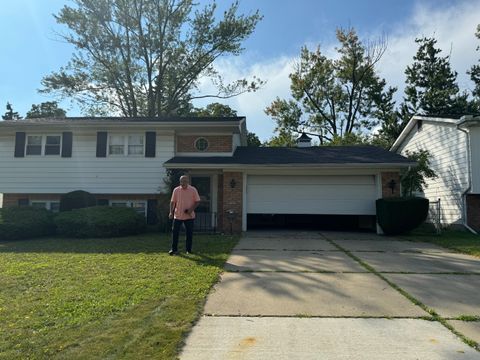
(337, 195)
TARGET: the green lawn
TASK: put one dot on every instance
(461, 241)
(103, 298)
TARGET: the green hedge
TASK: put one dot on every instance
(77, 199)
(100, 221)
(401, 215)
(25, 222)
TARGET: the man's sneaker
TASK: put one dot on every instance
(171, 252)
(188, 252)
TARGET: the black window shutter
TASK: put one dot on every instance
(152, 217)
(20, 144)
(23, 202)
(102, 202)
(102, 144)
(67, 137)
(150, 143)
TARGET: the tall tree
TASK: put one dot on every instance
(146, 57)
(331, 97)
(10, 114)
(475, 72)
(431, 83)
(48, 109)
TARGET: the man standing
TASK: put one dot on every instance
(184, 201)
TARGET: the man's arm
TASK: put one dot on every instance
(172, 209)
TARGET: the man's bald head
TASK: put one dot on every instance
(184, 181)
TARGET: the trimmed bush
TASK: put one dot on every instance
(78, 199)
(401, 215)
(25, 222)
(99, 222)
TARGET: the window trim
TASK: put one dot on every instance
(130, 203)
(48, 203)
(196, 142)
(125, 144)
(43, 144)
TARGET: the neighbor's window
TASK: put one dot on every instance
(34, 145)
(135, 145)
(116, 145)
(139, 206)
(53, 206)
(52, 145)
(201, 144)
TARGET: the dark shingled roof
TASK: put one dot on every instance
(73, 120)
(311, 155)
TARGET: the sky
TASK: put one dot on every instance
(31, 48)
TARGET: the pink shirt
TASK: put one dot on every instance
(184, 199)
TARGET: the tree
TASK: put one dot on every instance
(146, 57)
(431, 84)
(10, 114)
(331, 98)
(47, 109)
(475, 71)
(214, 109)
(283, 138)
(413, 179)
(253, 140)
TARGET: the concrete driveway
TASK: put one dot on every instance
(333, 295)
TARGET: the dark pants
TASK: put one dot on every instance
(189, 232)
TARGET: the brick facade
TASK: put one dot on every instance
(216, 143)
(473, 211)
(232, 200)
(387, 177)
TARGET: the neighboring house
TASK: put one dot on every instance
(454, 146)
(123, 162)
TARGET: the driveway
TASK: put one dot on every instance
(334, 295)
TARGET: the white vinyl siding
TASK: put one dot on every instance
(448, 150)
(328, 194)
(475, 159)
(84, 171)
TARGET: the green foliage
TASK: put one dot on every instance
(76, 200)
(25, 222)
(215, 109)
(283, 138)
(413, 179)
(100, 222)
(400, 215)
(48, 109)
(146, 58)
(475, 72)
(349, 139)
(253, 140)
(10, 114)
(332, 97)
(431, 83)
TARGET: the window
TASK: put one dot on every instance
(34, 145)
(53, 206)
(139, 206)
(201, 144)
(126, 145)
(52, 145)
(43, 145)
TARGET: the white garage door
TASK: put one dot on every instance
(336, 195)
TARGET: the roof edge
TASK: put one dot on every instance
(283, 166)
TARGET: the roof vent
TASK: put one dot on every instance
(304, 141)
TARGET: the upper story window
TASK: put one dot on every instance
(126, 145)
(201, 144)
(43, 145)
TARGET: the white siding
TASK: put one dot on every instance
(448, 150)
(347, 195)
(84, 171)
(475, 153)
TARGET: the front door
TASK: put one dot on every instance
(204, 220)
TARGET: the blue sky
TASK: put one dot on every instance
(31, 50)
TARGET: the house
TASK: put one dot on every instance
(124, 161)
(454, 146)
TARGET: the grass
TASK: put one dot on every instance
(460, 241)
(103, 298)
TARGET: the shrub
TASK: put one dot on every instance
(100, 221)
(78, 199)
(25, 222)
(400, 215)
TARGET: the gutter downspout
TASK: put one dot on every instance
(464, 193)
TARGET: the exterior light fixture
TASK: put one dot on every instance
(233, 183)
(392, 184)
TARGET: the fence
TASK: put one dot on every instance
(435, 215)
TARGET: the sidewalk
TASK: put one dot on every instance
(310, 296)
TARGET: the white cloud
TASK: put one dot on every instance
(453, 27)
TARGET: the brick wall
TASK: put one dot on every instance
(232, 200)
(473, 211)
(387, 177)
(216, 143)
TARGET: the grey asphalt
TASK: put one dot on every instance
(298, 295)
